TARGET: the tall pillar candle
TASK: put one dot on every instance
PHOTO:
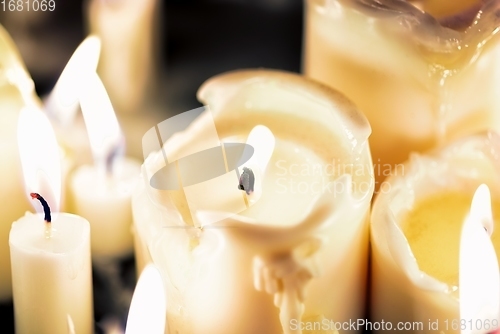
(416, 225)
(128, 30)
(423, 72)
(293, 246)
(130, 65)
(16, 91)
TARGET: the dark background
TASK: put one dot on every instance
(198, 39)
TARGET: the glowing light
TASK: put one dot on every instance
(479, 279)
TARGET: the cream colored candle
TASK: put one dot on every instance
(50, 252)
(129, 65)
(127, 31)
(102, 192)
(420, 80)
(16, 91)
(291, 253)
(51, 274)
(415, 232)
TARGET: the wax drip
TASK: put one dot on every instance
(286, 276)
(46, 208)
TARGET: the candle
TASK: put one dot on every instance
(478, 268)
(50, 252)
(62, 104)
(148, 307)
(415, 232)
(127, 31)
(129, 66)
(399, 63)
(16, 91)
(295, 249)
(102, 192)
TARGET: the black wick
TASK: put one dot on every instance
(46, 208)
(247, 180)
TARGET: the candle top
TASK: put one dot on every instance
(67, 233)
(447, 175)
(433, 228)
(320, 156)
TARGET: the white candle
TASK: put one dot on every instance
(412, 66)
(102, 192)
(16, 91)
(415, 234)
(296, 255)
(127, 31)
(50, 252)
(148, 307)
(51, 274)
(479, 277)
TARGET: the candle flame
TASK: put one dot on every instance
(105, 137)
(62, 103)
(479, 279)
(40, 159)
(148, 308)
(262, 140)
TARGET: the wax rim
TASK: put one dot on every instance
(330, 107)
(424, 169)
(425, 29)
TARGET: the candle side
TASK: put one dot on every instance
(51, 276)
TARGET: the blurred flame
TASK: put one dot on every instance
(62, 103)
(479, 279)
(148, 309)
(40, 159)
(102, 125)
(262, 140)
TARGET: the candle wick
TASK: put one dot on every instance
(115, 151)
(247, 181)
(46, 208)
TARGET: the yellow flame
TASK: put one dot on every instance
(63, 100)
(479, 279)
(100, 118)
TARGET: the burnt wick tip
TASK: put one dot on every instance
(45, 205)
(247, 181)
